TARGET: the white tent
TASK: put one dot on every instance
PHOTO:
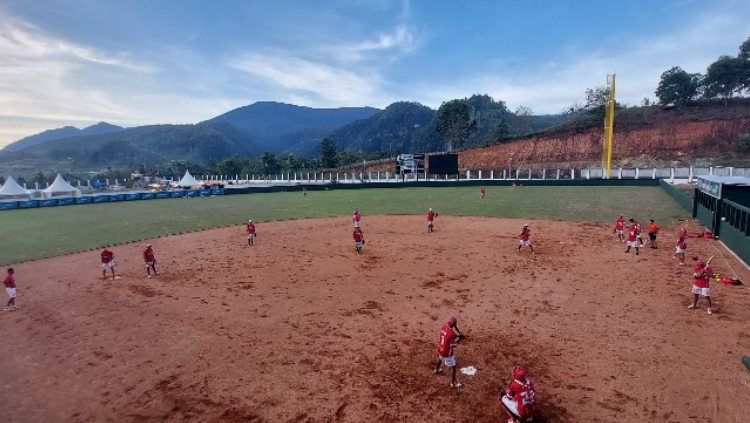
(61, 188)
(187, 181)
(11, 189)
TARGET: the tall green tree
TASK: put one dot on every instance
(270, 163)
(724, 78)
(677, 87)
(744, 63)
(454, 123)
(328, 155)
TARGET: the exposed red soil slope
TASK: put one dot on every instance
(300, 329)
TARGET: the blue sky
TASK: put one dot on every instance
(77, 62)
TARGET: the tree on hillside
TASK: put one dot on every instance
(724, 78)
(328, 154)
(744, 62)
(40, 179)
(677, 87)
(745, 50)
(270, 163)
(596, 97)
(525, 116)
(454, 122)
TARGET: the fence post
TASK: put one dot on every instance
(529, 174)
(588, 173)
(637, 172)
(517, 172)
(558, 174)
(468, 174)
(387, 175)
(731, 170)
(671, 175)
(690, 174)
(653, 174)
(619, 173)
(572, 173)
(710, 170)
(504, 176)
(480, 174)
(544, 174)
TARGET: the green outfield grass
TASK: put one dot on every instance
(38, 233)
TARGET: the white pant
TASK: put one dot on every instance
(704, 292)
(106, 266)
(11, 292)
(449, 361)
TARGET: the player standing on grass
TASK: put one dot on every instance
(524, 238)
(653, 230)
(359, 239)
(250, 233)
(150, 259)
(10, 289)
(357, 219)
(482, 193)
(108, 262)
(620, 228)
(519, 398)
(633, 238)
(448, 339)
(701, 276)
(431, 215)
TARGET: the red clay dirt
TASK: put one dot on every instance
(300, 329)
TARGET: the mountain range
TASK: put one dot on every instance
(267, 127)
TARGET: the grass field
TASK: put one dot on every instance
(38, 233)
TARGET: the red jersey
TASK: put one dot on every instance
(9, 281)
(431, 216)
(481, 190)
(637, 226)
(251, 229)
(447, 341)
(358, 236)
(522, 392)
(107, 256)
(632, 234)
(702, 276)
(682, 244)
(620, 224)
(525, 234)
(148, 255)
(356, 219)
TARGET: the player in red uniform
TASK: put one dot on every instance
(633, 238)
(108, 262)
(448, 339)
(519, 398)
(681, 247)
(431, 215)
(701, 275)
(482, 193)
(620, 228)
(357, 219)
(637, 225)
(150, 259)
(524, 238)
(250, 233)
(359, 239)
(10, 289)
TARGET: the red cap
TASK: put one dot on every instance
(519, 372)
(452, 321)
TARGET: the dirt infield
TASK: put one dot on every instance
(300, 329)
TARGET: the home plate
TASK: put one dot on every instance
(469, 371)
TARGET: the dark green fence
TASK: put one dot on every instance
(735, 228)
(682, 199)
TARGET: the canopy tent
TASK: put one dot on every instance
(61, 187)
(187, 181)
(11, 189)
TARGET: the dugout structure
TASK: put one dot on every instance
(722, 204)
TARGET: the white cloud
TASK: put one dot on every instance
(548, 85)
(326, 83)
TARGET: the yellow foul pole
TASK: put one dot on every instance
(609, 125)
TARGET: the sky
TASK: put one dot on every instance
(136, 62)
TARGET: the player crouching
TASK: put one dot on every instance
(359, 239)
(524, 238)
(701, 276)
(448, 339)
(518, 400)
